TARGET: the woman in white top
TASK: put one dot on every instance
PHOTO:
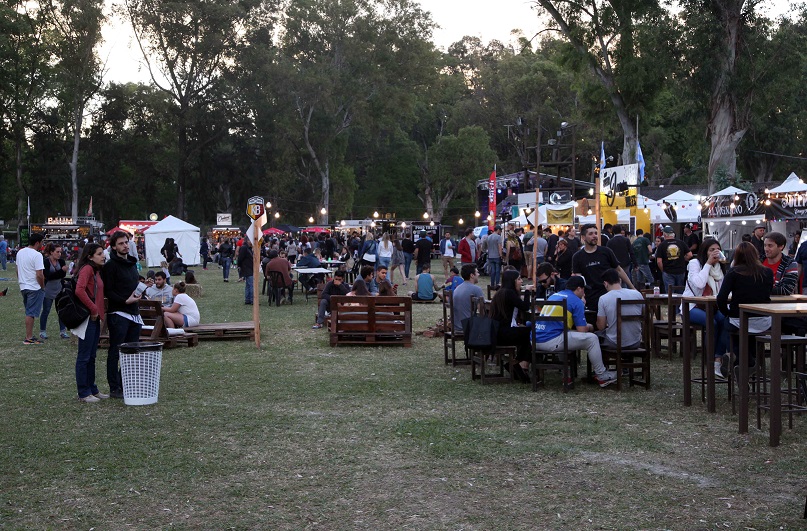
(184, 311)
(385, 249)
(704, 277)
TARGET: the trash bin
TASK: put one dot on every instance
(140, 364)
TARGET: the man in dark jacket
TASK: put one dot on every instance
(245, 270)
(623, 249)
(336, 286)
(121, 279)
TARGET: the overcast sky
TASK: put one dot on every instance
(479, 18)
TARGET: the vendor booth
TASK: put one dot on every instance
(185, 235)
(731, 213)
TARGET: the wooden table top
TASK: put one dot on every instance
(776, 308)
(703, 299)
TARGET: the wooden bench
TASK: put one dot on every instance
(154, 328)
(371, 320)
(242, 330)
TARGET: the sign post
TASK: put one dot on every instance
(256, 210)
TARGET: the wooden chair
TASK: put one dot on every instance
(371, 321)
(565, 359)
(634, 358)
(451, 336)
(277, 283)
(502, 357)
(669, 328)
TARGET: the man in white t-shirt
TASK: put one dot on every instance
(607, 309)
(31, 277)
(447, 250)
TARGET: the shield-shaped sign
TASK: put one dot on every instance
(255, 207)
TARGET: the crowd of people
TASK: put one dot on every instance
(590, 272)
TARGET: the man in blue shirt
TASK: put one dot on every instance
(549, 335)
(3, 251)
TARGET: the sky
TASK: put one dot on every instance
(456, 18)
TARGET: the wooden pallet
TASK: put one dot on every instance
(211, 331)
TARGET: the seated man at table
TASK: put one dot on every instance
(426, 285)
(549, 334)
(310, 261)
(785, 269)
(461, 298)
(545, 275)
(336, 286)
(160, 291)
(278, 264)
(606, 312)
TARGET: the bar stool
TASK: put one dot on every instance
(793, 362)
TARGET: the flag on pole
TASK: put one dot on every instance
(602, 157)
(640, 160)
(89, 210)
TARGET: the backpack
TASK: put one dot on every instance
(71, 310)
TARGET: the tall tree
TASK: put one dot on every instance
(25, 58)
(187, 46)
(626, 44)
(78, 71)
(346, 62)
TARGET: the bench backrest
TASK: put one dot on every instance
(371, 314)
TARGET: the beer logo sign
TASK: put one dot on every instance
(255, 207)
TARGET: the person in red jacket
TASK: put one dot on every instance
(90, 291)
(467, 248)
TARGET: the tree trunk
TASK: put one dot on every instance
(326, 193)
(181, 176)
(79, 113)
(725, 127)
(21, 204)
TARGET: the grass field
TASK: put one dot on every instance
(300, 435)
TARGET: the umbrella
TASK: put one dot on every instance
(272, 231)
(315, 229)
(288, 228)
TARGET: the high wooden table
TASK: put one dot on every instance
(710, 302)
(777, 311)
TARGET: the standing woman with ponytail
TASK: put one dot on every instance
(90, 291)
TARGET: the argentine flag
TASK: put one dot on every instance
(640, 160)
(602, 157)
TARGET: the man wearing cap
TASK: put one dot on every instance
(592, 261)
(549, 334)
(672, 256)
(691, 239)
(758, 240)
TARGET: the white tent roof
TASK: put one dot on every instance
(731, 190)
(792, 184)
(688, 211)
(170, 224)
(679, 196)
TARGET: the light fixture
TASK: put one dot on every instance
(431, 223)
(477, 214)
(403, 224)
(372, 224)
(728, 223)
(425, 215)
(767, 191)
(277, 215)
(646, 211)
(767, 202)
(732, 206)
(461, 222)
(490, 217)
(591, 191)
(311, 219)
(375, 214)
(743, 222)
(342, 223)
(268, 204)
(590, 212)
(575, 204)
(736, 197)
(323, 211)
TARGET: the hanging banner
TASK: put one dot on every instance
(791, 206)
(619, 186)
(747, 204)
(563, 216)
(492, 200)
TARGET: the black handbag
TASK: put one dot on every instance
(480, 332)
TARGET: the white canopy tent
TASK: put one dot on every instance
(792, 185)
(185, 235)
(687, 208)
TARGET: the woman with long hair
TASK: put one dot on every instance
(90, 291)
(184, 311)
(385, 249)
(514, 253)
(705, 274)
(397, 262)
(359, 289)
(504, 309)
(55, 271)
(747, 282)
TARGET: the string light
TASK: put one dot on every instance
(403, 224)
(425, 215)
(461, 222)
(323, 211)
(311, 219)
(477, 214)
(375, 214)
(277, 215)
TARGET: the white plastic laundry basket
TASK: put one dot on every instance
(140, 364)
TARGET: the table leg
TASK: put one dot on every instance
(687, 357)
(743, 383)
(708, 341)
(776, 380)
